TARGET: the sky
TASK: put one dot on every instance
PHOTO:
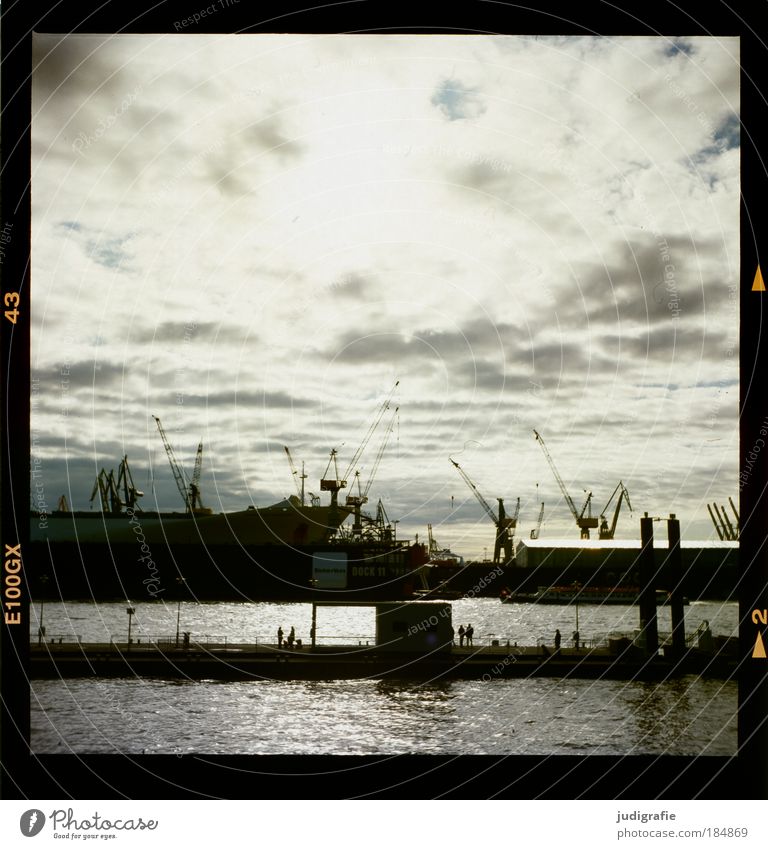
(255, 237)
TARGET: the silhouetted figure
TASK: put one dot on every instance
(461, 635)
(280, 637)
(469, 634)
(576, 639)
(186, 640)
(291, 637)
(557, 640)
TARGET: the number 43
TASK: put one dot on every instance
(12, 300)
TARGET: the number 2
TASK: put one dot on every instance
(760, 617)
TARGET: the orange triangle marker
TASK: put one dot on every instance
(759, 649)
(758, 285)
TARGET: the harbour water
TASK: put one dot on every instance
(535, 716)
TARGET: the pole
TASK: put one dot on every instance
(41, 629)
(130, 611)
(675, 573)
(178, 617)
(314, 623)
(647, 562)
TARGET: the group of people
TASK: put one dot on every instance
(466, 634)
(290, 639)
(576, 639)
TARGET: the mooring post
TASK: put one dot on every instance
(674, 572)
(648, 624)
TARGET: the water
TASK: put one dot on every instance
(535, 716)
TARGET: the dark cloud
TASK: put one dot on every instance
(248, 398)
(88, 373)
(180, 331)
(271, 135)
(352, 285)
(672, 342)
(648, 281)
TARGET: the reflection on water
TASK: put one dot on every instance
(528, 716)
(519, 716)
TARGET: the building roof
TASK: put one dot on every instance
(608, 544)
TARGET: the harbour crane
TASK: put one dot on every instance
(584, 522)
(605, 531)
(725, 530)
(125, 479)
(195, 497)
(178, 475)
(296, 475)
(505, 525)
(537, 530)
(105, 487)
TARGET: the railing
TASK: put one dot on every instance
(56, 639)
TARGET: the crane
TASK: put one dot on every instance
(605, 531)
(366, 439)
(503, 523)
(584, 522)
(125, 478)
(334, 484)
(537, 530)
(106, 488)
(178, 475)
(725, 530)
(195, 497)
(296, 475)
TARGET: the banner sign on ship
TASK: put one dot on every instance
(329, 570)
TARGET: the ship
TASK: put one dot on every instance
(581, 595)
(287, 551)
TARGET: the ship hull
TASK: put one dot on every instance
(324, 572)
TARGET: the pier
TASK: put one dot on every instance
(238, 661)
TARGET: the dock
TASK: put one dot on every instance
(237, 661)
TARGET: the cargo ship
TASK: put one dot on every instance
(288, 551)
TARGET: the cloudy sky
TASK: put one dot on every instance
(254, 237)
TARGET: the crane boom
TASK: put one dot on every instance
(560, 482)
(485, 505)
(178, 475)
(714, 522)
(296, 475)
(584, 522)
(535, 531)
(366, 439)
(605, 531)
(380, 454)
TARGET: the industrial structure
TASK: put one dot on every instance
(505, 525)
(584, 522)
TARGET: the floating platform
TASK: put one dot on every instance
(258, 662)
